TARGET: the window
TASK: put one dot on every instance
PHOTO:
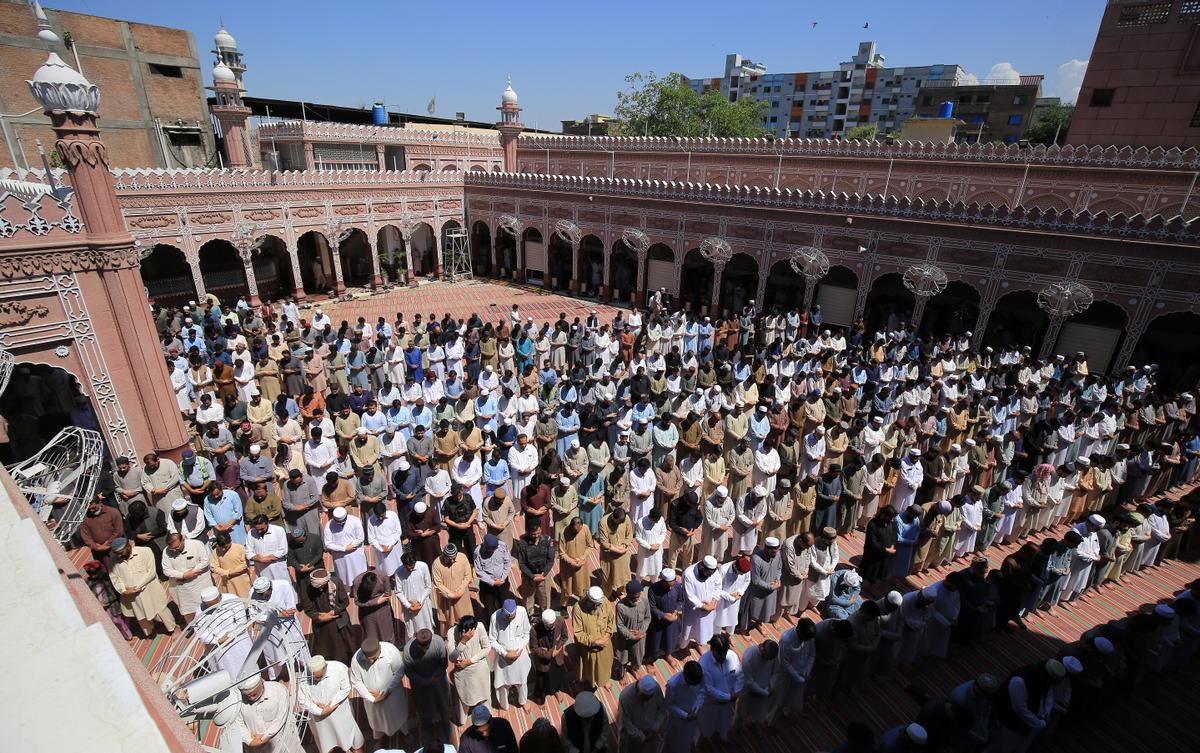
(733, 96)
(977, 119)
(1144, 15)
(774, 119)
(1014, 120)
(925, 101)
(1019, 100)
(983, 99)
(1102, 97)
(775, 103)
(1189, 10)
(1196, 118)
(170, 71)
(965, 99)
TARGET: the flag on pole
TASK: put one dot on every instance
(432, 105)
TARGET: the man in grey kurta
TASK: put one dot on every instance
(425, 665)
(766, 569)
(300, 496)
(127, 478)
(642, 717)
(633, 620)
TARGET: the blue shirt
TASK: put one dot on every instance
(227, 509)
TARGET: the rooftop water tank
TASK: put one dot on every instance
(946, 110)
(379, 115)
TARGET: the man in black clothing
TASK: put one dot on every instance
(534, 553)
(487, 734)
(306, 553)
(684, 519)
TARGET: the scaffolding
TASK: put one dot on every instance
(457, 256)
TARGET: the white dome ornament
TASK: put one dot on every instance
(58, 87)
(221, 73)
(224, 39)
(509, 97)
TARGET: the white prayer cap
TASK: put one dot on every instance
(262, 584)
(968, 333)
(762, 409)
(710, 562)
(971, 442)
(1163, 610)
(837, 390)
(187, 320)
(420, 508)
(1085, 462)
(488, 369)
(361, 431)
(944, 506)
(595, 594)
(956, 447)
(647, 684)
(316, 664)
(877, 420)
(403, 465)
(929, 592)
(820, 430)
(1097, 520)
(772, 542)
(191, 303)
(564, 480)
(339, 513)
(210, 594)
(548, 617)
(179, 504)
(1122, 446)
(253, 682)
(1073, 665)
(667, 574)
(1103, 645)
(916, 733)
(722, 492)
(853, 579)
(760, 491)
(826, 332)
(255, 449)
(894, 598)
(915, 452)
(254, 390)
(574, 444)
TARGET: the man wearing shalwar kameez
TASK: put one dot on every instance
(269, 725)
(509, 632)
(372, 594)
(469, 650)
(377, 675)
(685, 701)
(916, 608)
(452, 578)
(942, 617)
(723, 685)
(326, 602)
(766, 570)
(324, 695)
(616, 550)
(221, 627)
(760, 665)
(344, 537)
(642, 717)
(594, 624)
(135, 578)
(796, 654)
(735, 579)
(702, 591)
(633, 620)
(276, 598)
(186, 563)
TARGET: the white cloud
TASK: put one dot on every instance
(1003, 73)
(970, 79)
(1067, 80)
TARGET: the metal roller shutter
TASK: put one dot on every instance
(660, 274)
(837, 304)
(535, 256)
(1098, 342)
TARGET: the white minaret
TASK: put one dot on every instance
(225, 48)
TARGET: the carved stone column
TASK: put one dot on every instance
(918, 311)
(639, 291)
(251, 280)
(191, 255)
(379, 155)
(310, 162)
(760, 296)
(335, 251)
(406, 236)
(714, 308)
(293, 251)
(376, 277)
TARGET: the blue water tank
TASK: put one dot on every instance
(946, 110)
(379, 114)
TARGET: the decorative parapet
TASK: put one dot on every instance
(299, 130)
(1137, 226)
(157, 179)
(1096, 156)
(35, 209)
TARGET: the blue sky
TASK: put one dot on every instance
(569, 59)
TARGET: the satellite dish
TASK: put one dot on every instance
(60, 480)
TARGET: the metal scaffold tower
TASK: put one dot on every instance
(457, 256)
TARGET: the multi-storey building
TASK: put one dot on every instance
(154, 112)
(826, 104)
(1142, 86)
(990, 111)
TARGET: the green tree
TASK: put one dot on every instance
(1053, 121)
(668, 106)
(865, 132)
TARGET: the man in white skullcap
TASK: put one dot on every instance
(915, 609)
(324, 694)
(270, 724)
(343, 538)
(749, 514)
(594, 624)
(902, 738)
(702, 594)
(716, 530)
(942, 617)
(642, 716)
(273, 605)
(221, 626)
(891, 630)
(974, 699)
(1083, 558)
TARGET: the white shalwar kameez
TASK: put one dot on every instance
(386, 675)
(287, 637)
(385, 533)
(522, 462)
(341, 537)
(222, 629)
(415, 587)
(729, 600)
(971, 520)
(909, 481)
(338, 730)
(1084, 556)
(699, 625)
(193, 556)
(274, 543)
(271, 716)
(510, 634)
(650, 536)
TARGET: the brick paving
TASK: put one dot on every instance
(491, 300)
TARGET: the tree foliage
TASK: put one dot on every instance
(1055, 119)
(668, 106)
(865, 132)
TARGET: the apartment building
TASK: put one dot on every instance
(826, 104)
(989, 111)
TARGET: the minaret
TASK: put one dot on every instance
(231, 112)
(111, 282)
(510, 126)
